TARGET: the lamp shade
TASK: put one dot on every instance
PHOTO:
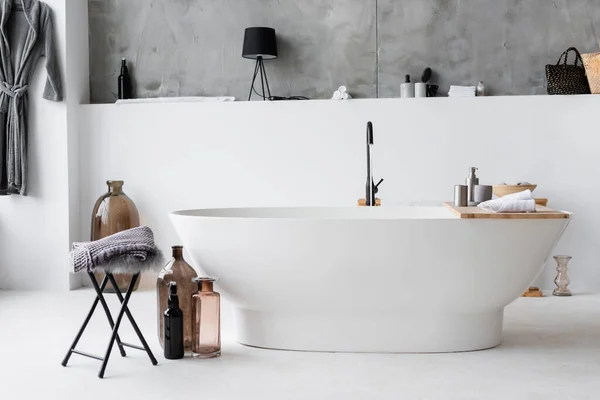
(260, 42)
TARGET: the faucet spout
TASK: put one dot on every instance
(371, 188)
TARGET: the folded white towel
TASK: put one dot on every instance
(462, 91)
(455, 87)
(189, 99)
(513, 203)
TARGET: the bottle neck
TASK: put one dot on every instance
(124, 70)
(115, 187)
(173, 301)
(206, 287)
(177, 252)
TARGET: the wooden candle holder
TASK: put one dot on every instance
(363, 202)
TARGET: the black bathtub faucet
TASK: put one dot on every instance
(371, 188)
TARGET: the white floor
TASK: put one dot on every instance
(551, 350)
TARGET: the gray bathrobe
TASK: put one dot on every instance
(26, 35)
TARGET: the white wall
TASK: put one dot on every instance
(33, 235)
(178, 156)
(77, 92)
(36, 231)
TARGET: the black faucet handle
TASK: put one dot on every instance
(376, 187)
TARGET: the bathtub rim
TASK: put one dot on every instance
(318, 213)
(344, 213)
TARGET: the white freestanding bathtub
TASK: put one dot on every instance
(367, 279)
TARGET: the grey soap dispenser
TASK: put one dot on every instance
(407, 89)
(471, 181)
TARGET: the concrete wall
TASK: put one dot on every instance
(311, 153)
(193, 47)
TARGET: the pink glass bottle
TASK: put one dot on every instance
(206, 311)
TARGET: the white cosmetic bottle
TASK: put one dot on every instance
(407, 89)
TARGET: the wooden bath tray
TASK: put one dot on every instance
(476, 212)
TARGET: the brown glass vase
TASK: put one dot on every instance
(114, 212)
(180, 272)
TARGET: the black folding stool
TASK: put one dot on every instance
(114, 325)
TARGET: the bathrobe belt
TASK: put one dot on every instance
(15, 91)
(14, 157)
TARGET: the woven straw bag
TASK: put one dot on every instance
(591, 62)
(564, 78)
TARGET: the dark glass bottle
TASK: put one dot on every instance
(124, 82)
(173, 326)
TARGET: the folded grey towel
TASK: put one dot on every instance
(129, 251)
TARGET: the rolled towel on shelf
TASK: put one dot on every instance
(337, 95)
(521, 202)
(524, 195)
(508, 206)
(346, 96)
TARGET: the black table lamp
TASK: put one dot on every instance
(260, 44)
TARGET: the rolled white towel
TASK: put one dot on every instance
(516, 202)
(343, 89)
(337, 95)
(508, 206)
(346, 96)
(524, 195)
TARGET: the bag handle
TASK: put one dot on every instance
(565, 54)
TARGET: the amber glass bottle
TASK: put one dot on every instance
(114, 212)
(180, 272)
(206, 308)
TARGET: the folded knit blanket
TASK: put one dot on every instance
(129, 251)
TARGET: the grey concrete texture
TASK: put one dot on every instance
(193, 47)
(504, 43)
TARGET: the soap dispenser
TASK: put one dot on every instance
(407, 89)
(471, 181)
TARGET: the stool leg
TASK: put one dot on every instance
(87, 320)
(100, 293)
(117, 324)
(132, 321)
